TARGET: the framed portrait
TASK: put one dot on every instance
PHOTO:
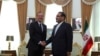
(28, 22)
(97, 39)
(77, 24)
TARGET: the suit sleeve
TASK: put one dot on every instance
(32, 32)
(69, 38)
(50, 38)
(44, 34)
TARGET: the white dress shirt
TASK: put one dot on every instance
(57, 27)
(40, 24)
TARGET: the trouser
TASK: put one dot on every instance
(59, 54)
(38, 52)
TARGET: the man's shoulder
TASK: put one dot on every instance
(45, 25)
(67, 24)
(34, 22)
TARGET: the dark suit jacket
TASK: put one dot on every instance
(36, 35)
(62, 40)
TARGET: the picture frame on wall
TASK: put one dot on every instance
(29, 21)
(77, 24)
(98, 46)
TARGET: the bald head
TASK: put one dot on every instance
(39, 16)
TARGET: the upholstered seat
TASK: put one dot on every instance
(22, 50)
(77, 49)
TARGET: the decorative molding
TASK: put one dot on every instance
(90, 3)
(64, 3)
(54, 1)
(20, 2)
(44, 3)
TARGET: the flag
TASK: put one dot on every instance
(87, 39)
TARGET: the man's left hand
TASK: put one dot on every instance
(68, 53)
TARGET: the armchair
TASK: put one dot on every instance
(77, 50)
(22, 50)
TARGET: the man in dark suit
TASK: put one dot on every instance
(62, 37)
(37, 31)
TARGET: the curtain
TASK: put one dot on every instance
(40, 7)
(22, 14)
(86, 13)
(68, 10)
(0, 5)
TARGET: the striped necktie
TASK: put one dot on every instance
(41, 27)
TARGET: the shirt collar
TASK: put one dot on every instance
(60, 23)
(39, 23)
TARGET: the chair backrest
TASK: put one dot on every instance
(22, 50)
(77, 49)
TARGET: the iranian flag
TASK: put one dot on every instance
(87, 40)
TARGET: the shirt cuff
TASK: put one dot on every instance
(39, 42)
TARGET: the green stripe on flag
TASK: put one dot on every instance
(85, 26)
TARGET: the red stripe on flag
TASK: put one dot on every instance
(87, 46)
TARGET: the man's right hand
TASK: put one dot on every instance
(68, 53)
(43, 43)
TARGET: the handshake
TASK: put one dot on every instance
(42, 43)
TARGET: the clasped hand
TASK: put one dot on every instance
(43, 43)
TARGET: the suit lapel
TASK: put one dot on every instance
(59, 28)
(53, 34)
(43, 27)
